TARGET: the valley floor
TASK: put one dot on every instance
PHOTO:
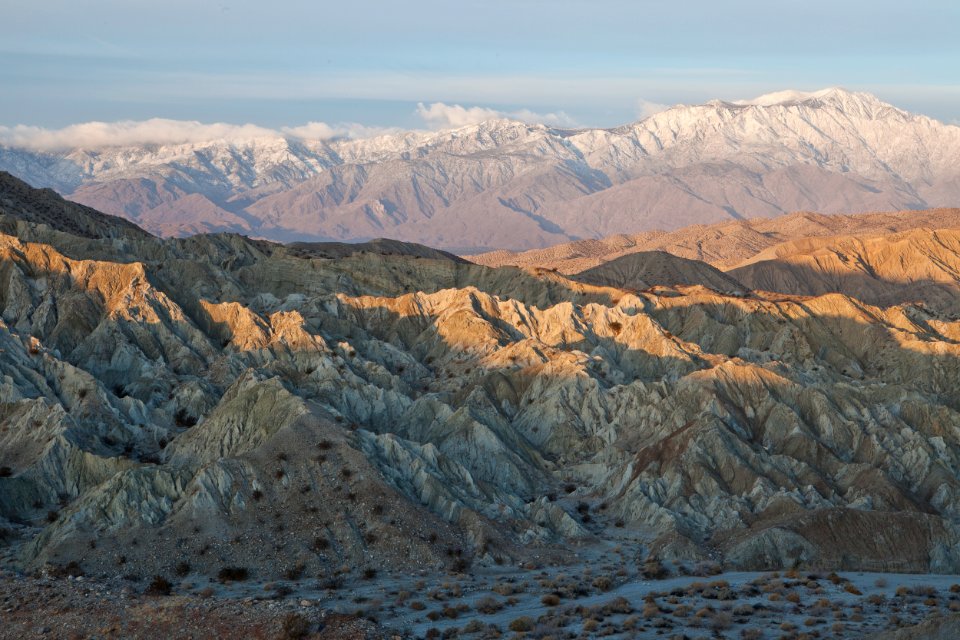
(604, 594)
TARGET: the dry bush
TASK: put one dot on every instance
(849, 588)
(295, 626)
(618, 606)
(159, 586)
(507, 588)
(602, 583)
(233, 574)
(487, 605)
(721, 620)
(550, 600)
(653, 569)
(474, 626)
(416, 605)
(521, 624)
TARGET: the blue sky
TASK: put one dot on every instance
(589, 63)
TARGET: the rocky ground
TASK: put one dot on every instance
(77, 607)
(604, 595)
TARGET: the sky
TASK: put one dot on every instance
(363, 65)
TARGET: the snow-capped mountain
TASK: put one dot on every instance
(508, 184)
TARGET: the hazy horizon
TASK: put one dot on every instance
(372, 63)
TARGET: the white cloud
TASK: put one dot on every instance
(324, 131)
(645, 108)
(95, 135)
(439, 115)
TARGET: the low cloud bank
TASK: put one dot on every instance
(439, 115)
(95, 135)
(161, 131)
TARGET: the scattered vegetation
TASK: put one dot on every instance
(233, 574)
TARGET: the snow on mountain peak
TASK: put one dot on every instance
(837, 97)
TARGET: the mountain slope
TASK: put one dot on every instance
(506, 184)
(647, 269)
(915, 266)
(21, 202)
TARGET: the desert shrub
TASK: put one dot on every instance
(721, 620)
(521, 624)
(294, 572)
(618, 605)
(5, 472)
(369, 573)
(849, 588)
(416, 605)
(507, 588)
(550, 600)
(650, 609)
(320, 543)
(653, 569)
(182, 568)
(602, 583)
(233, 574)
(295, 626)
(487, 605)
(159, 586)
(52, 516)
(615, 327)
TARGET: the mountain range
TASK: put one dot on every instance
(504, 184)
(329, 409)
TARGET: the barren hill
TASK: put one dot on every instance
(646, 269)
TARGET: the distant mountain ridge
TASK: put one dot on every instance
(507, 184)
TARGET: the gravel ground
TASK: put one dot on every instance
(75, 608)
